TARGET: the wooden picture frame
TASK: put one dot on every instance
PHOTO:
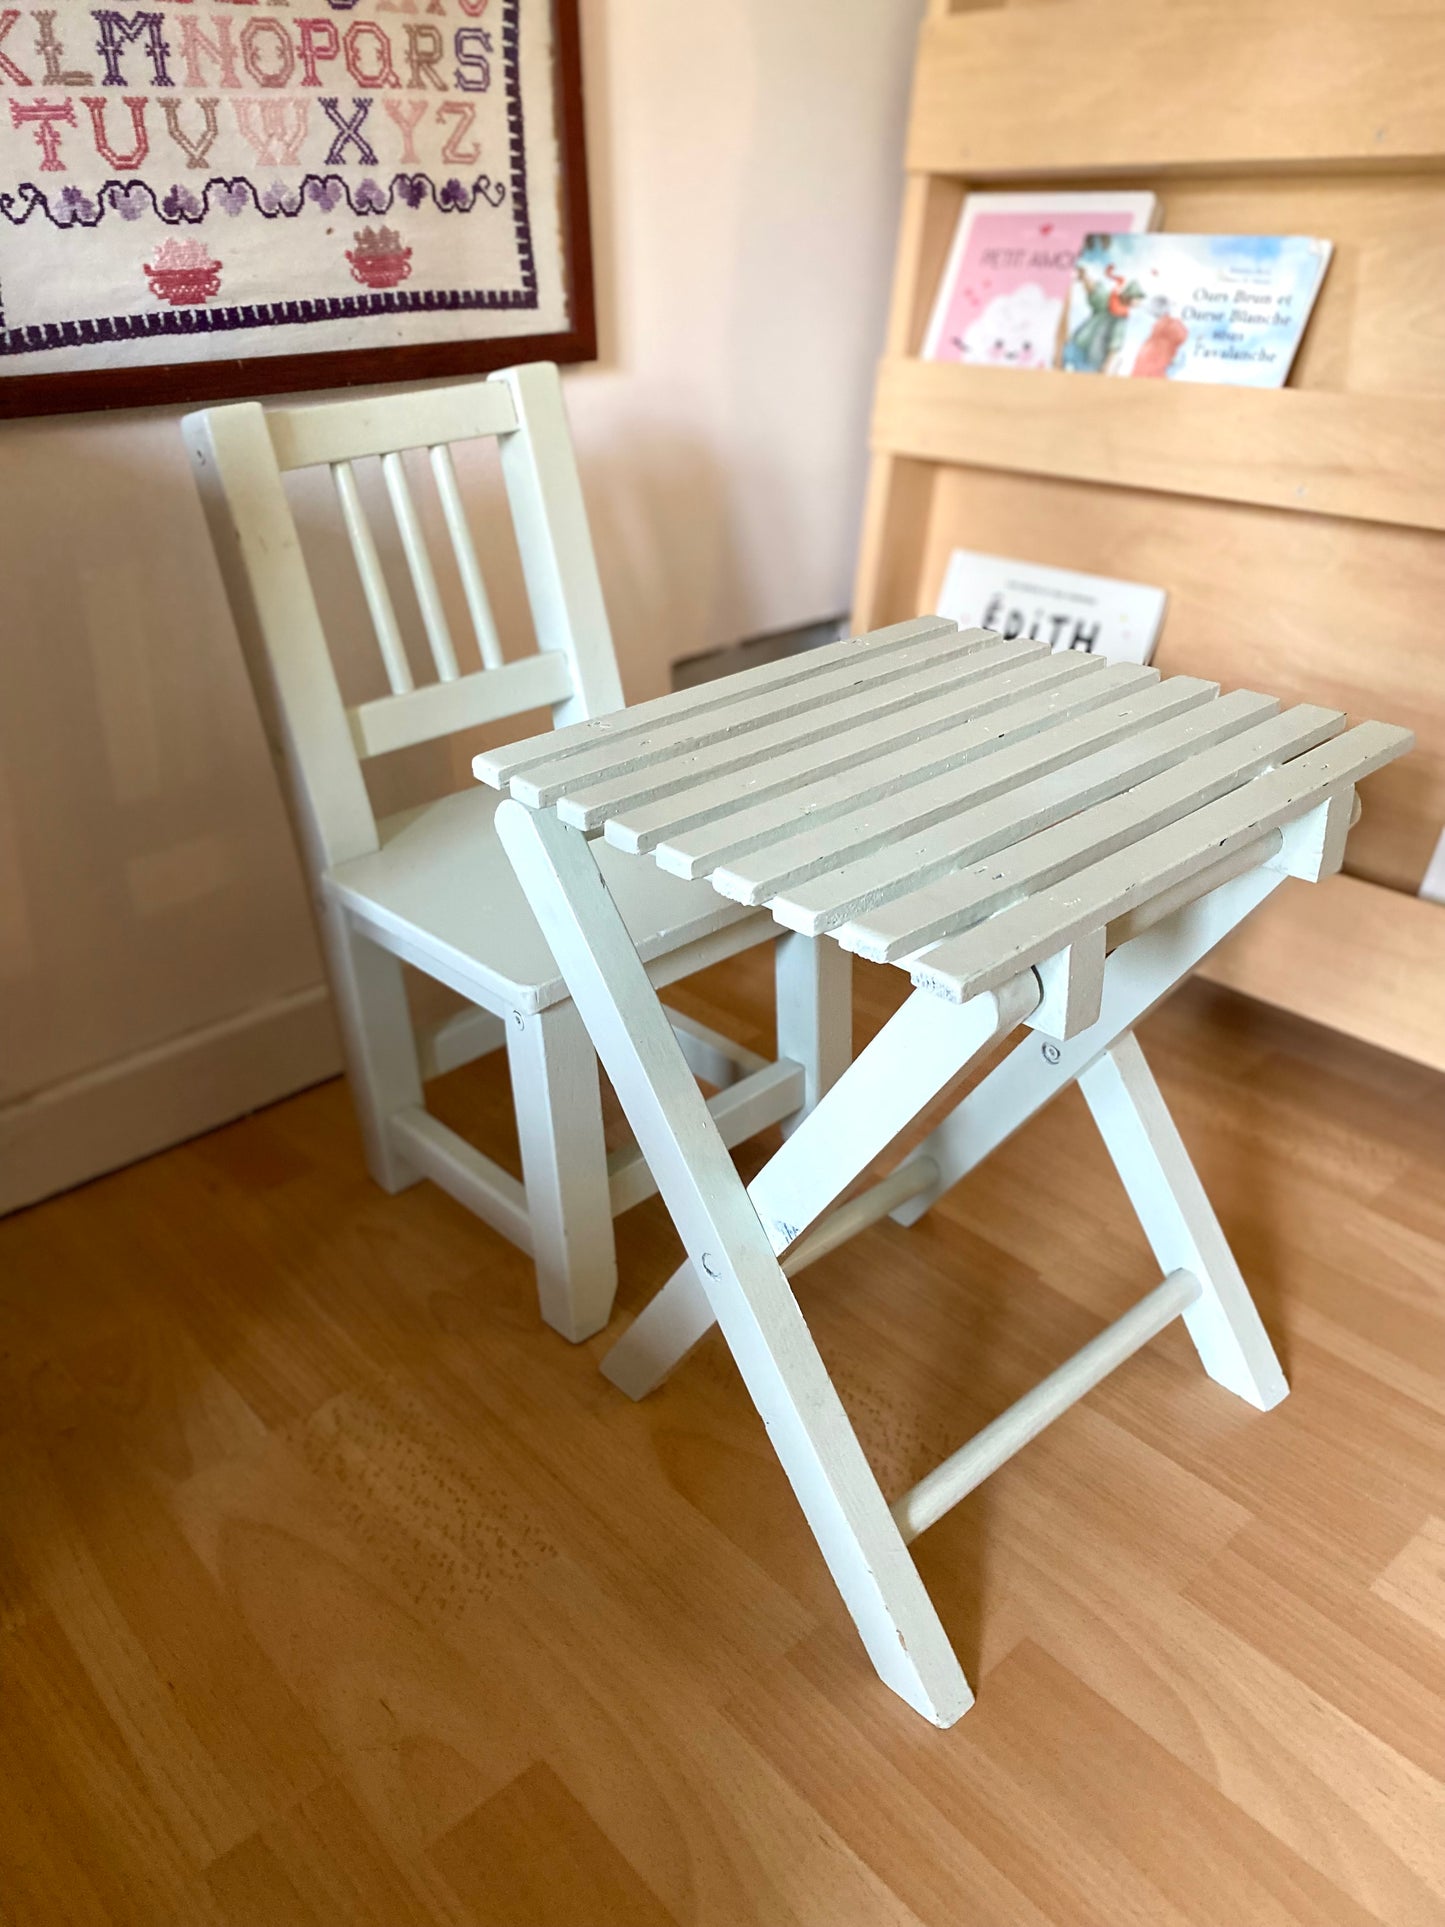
(233, 377)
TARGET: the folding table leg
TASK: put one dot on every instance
(1138, 974)
(814, 990)
(919, 1051)
(1136, 977)
(1179, 1222)
(765, 1331)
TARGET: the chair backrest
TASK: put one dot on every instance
(240, 454)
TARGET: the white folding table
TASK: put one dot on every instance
(1041, 841)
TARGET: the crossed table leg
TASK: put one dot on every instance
(734, 1236)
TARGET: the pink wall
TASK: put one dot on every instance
(157, 972)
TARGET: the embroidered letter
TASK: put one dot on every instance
(7, 65)
(406, 114)
(194, 43)
(195, 151)
(358, 35)
(57, 74)
(319, 41)
(44, 116)
(474, 70)
(95, 105)
(257, 35)
(423, 51)
(273, 129)
(116, 31)
(349, 132)
(463, 113)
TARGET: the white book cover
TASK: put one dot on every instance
(1001, 300)
(1063, 607)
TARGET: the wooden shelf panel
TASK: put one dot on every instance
(1369, 458)
(1005, 94)
(1360, 958)
(1249, 117)
(1308, 607)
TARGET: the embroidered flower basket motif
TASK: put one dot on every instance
(183, 273)
(379, 260)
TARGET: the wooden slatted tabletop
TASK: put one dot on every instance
(950, 801)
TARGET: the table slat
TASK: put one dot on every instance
(912, 733)
(755, 737)
(611, 761)
(1043, 924)
(818, 878)
(956, 802)
(498, 766)
(961, 898)
(832, 802)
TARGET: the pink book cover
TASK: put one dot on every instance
(1002, 298)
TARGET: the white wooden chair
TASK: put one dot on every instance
(432, 887)
(1039, 841)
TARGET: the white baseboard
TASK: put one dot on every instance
(96, 1122)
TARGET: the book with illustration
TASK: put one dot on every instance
(1002, 296)
(1228, 308)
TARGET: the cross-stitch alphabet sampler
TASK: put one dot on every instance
(208, 198)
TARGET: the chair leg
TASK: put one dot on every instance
(814, 989)
(1179, 1222)
(378, 1042)
(564, 1168)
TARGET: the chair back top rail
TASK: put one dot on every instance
(344, 431)
(961, 805)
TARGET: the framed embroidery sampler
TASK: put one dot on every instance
(202, 199)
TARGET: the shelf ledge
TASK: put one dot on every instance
(1004, 94)
(1365, 457)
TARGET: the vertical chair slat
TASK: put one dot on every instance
(373, 582)
(424, 581)
(473, 585)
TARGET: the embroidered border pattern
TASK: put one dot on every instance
(183, 205)
(219, 195)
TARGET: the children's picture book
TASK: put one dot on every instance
(1002, 296)
(1063, 607)
(1192, 307)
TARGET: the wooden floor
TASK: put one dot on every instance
(334, 1589)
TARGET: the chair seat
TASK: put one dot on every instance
(440, 890)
